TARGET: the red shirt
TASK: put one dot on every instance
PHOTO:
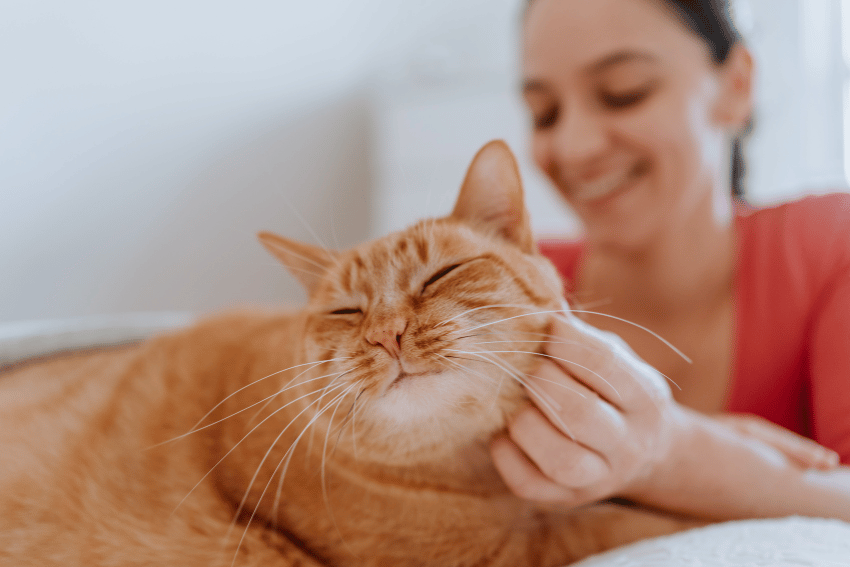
(792, 315)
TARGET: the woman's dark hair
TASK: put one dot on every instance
(712, 21)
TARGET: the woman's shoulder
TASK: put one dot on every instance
(815, 224)
(791, 253)
(819, 213)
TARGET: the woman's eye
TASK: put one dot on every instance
(348, 311)
(546, 119)
(439, 275)
(625, 99)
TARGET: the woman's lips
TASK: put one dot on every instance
(604, 186)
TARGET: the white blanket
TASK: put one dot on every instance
(787, 542)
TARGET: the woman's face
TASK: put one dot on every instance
(631, 117)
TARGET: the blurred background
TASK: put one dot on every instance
(143, 144)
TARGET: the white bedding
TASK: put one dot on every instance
(786, 542)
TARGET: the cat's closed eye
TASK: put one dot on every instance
(347, 311)
(439, 275)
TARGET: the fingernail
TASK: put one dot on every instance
(829, 458)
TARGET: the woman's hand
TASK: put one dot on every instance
(804, 452)
(604, 424)
(601, 422)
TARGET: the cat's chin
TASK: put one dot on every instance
(429, 416)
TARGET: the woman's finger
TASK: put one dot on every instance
(562, 459)
(524, 479)
(605, 364)
(576, 410)
(802, 450)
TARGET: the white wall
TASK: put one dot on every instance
(798, 142)
(143, 144)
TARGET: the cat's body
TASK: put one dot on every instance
(377, 401)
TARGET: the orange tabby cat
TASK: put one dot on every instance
(353, 432)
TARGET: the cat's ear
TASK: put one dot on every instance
(491, 196)
(306, 262)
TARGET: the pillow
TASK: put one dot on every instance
(787, 542)
(20, 341)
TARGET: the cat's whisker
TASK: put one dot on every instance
(317, 401)
(310, 445)
(354, 422)
(543, 354)
(313, 233)
(299, 268)
(564, 341)
(323, 481)
(290, 452)
(286, 387)
(564, 386)
(462, 358)
(311, 364)
(257, 472)
(513, 372)
(247, 491)
(464, 369)
(237, 444)
(491, 306)
(670, 345)
(560, 313)
(531, 314)
(280, 482)
(348, 415)
(469, 336)
(267, 399)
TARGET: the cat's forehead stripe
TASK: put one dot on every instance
(402, 245)
(421, 247)
(347, 278)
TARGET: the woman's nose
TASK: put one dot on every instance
(580, 135)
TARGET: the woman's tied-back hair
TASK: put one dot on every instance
(711, 20)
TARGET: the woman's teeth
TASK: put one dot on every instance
(601, 187)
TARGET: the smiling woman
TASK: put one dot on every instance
(595, 79)
(636, 106)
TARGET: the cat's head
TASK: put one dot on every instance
(431, 329)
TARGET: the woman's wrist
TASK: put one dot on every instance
(671, 464)
(696, 476)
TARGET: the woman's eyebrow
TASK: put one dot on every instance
(611, 60)
(619, 57)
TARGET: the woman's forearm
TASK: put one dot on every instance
(717, 474)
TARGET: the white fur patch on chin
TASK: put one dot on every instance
(415, 400)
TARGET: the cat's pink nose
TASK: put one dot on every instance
(387, 332)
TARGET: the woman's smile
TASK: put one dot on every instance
(604, 188)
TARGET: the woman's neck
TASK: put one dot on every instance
(682, 268)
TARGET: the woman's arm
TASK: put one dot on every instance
(716, 473)
(605, 424)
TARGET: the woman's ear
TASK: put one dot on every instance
(735, 99)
